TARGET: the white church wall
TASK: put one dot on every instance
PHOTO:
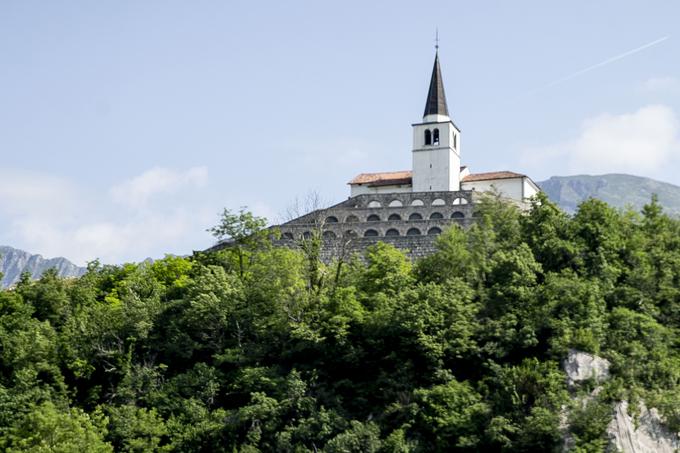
(436, 167)
(530, 189)
(435, 170)
(447, 131)
(510, 188)
(360, 189)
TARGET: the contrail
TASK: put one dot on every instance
(600, 64)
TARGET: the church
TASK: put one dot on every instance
(410, 208)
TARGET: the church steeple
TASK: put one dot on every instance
(436, 142)
(436, 99)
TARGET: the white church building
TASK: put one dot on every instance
(410, 208)
(436, 155)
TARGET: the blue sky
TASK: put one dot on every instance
(126, 126)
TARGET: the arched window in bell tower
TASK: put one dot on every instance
(428, 137)
(435, 137)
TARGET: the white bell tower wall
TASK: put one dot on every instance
(436, 155)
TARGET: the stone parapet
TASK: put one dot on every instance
(409, 221)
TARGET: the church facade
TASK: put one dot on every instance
(410, 208)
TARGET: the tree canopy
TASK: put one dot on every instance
(257, 348)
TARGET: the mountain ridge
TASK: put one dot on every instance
(14, 262)
(618, 189)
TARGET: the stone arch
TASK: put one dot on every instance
(394, 217)
(395, 204)
(350, 234)
(306, 235)
(438, 202)
(392, 232)
(459, 201)
(331, 219)
(435, 137)
(370, 233)
(457, 215)
(434, 231)
(415, 216)
(351, 219)
(436, 215)
(374, 204)
(413, 232)
(329, 235)
(287, 235)
(417, 202)
(373, 218)
(428, 137)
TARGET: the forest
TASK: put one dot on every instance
(256, 348)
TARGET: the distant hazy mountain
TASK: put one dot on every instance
(617, 190)
(14, 262)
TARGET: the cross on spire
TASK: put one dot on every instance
(436, 39)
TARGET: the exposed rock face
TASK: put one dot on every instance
(581, 366)
(14, 262)
(645, 433)
(648, 435)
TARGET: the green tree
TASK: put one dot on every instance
(45, 428)
(135, 429)
(244, 233)
(450, 416)
(546, 229)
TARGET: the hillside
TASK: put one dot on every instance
(14, 262)
(616, 189)
(523, 333)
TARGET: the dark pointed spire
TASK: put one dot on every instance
(436, 99)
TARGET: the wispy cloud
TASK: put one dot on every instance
(605, 62)
(50, 215)
(662, 85)
(641, 142)
(22, 192)
(138, 190)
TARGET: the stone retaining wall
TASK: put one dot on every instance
(409, 221)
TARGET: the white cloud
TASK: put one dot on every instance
(663, 85)
(51, 216)
(22, 192)
(138, 190)
(642, 142)
(112, 241)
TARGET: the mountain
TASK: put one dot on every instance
(14, 262)
(616, 189)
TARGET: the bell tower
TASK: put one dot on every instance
(436, 142)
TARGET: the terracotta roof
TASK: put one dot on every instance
(492, 175)
(387, 178)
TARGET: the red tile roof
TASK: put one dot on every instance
(492, 175)
(390, 178)
(383, 179)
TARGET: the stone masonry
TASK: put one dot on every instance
(409, 221)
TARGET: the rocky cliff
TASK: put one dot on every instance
(14, 262)
(629, 431)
